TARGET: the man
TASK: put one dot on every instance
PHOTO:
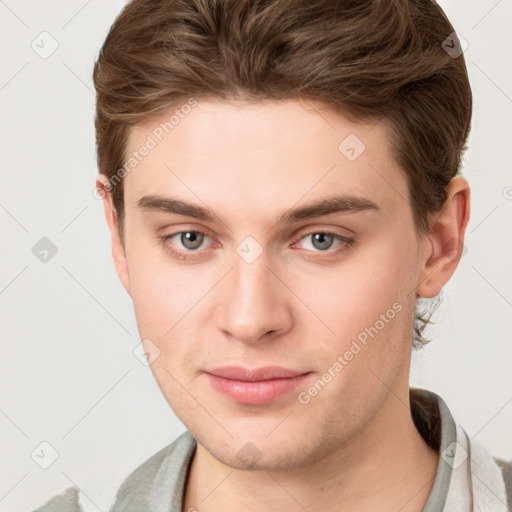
(281, 180)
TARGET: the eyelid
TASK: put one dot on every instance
(186, 228)
(310, 230)
(325, 228)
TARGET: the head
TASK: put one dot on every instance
(213, 154)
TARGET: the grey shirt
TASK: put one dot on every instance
(158, 484)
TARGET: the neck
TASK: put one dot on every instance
(386, 467)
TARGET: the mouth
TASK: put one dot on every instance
(257, 386)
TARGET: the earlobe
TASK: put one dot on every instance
(104, 191)
(446, 239)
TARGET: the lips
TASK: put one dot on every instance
(257, 374)
(254, 386)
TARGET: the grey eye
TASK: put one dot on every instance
(322, 241)
(191, 239)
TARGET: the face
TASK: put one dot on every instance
(254, 276)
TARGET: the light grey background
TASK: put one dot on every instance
(68, 373)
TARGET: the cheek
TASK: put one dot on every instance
(368, 308)
(156, 302)
(352, 296)
(162, 291)
(371, 317)
(171, 304)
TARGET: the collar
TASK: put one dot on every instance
(467, 477)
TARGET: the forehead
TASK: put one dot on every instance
(267, 154)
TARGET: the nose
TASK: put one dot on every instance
(253, 303)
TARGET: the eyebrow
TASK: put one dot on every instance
(326, 206)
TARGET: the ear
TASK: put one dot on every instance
(445, 240)
(104, 190)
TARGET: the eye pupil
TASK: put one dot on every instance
(191, 239)
(321, 238)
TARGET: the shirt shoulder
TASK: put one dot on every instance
(156, 484)
(67, 501)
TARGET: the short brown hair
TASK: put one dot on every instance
(368, 60)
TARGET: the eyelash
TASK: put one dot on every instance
(347, 243)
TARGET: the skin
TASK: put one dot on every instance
(354, 445)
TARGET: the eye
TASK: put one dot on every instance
(190, 239)
(323, 241)
(187, 242)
